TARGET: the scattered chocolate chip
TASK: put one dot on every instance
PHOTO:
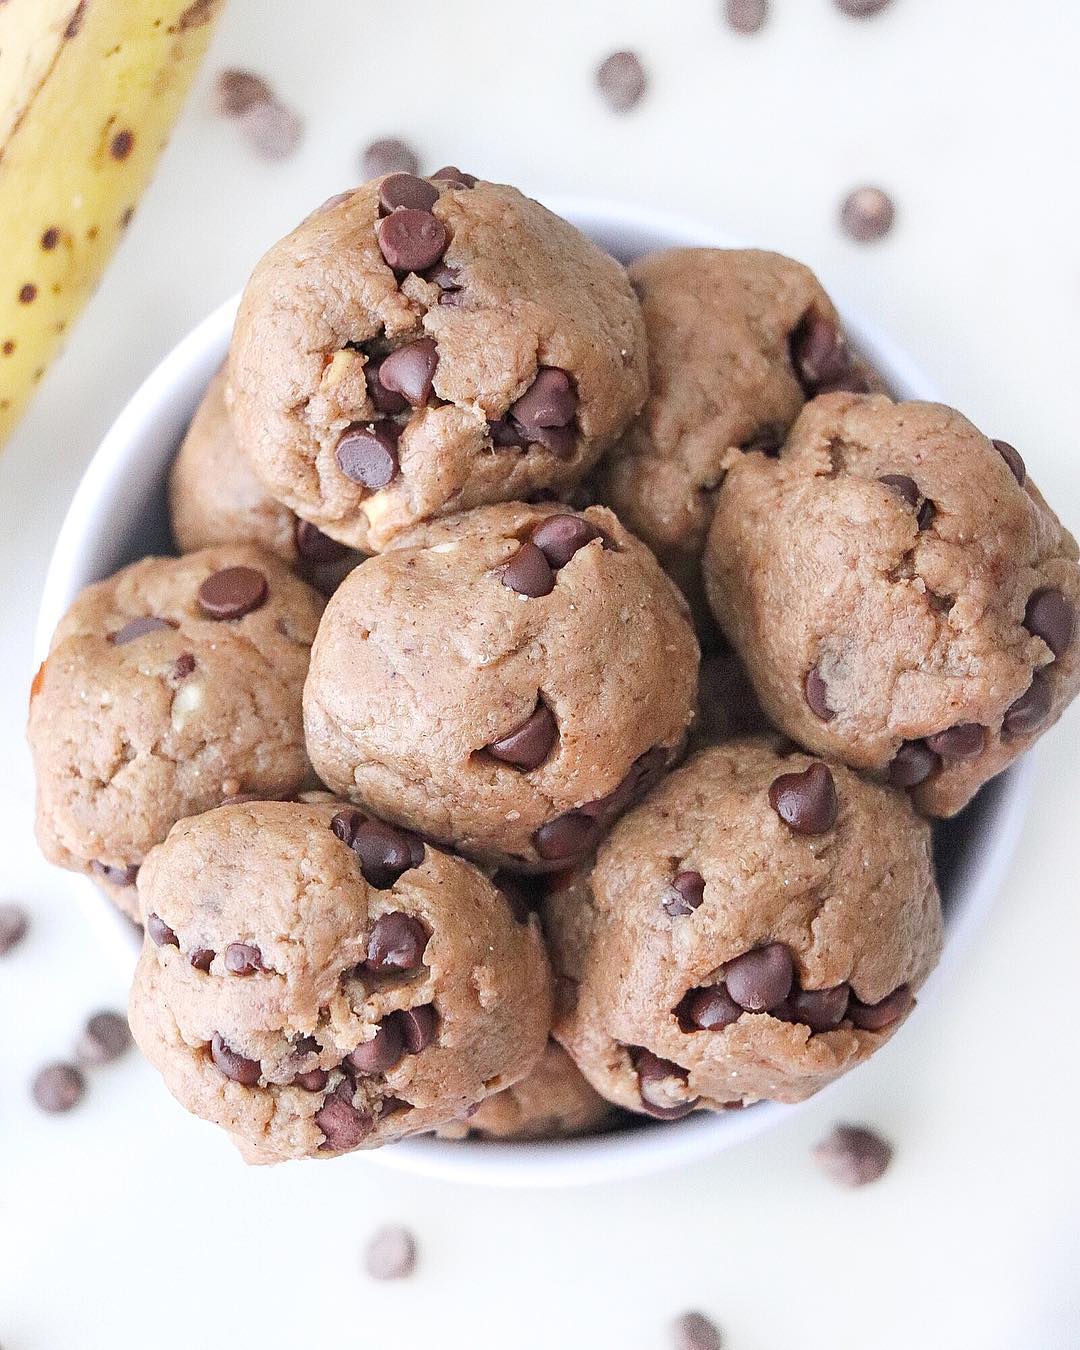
(243, 958)
(202, 958)
(343, 1126)
(694, 1331)
(762, 978)
(104, 1038)
(550, 401)
(1051, 615)
(404, 191)
(861, 9)
(529, 744)
(686, 894)
(389, 155)
(454, 177)
(806, 801)
(746, 16)
(238, 91)
(877, 1016)
(316, 547)
(622, 81)
(529, 573)
(966, 740)
(412, 240)
(818, 1009)
(852, 1155)
(383, 1052)
(1013, 459)
(410, 371)
(14, 925)
(867, 214)
(137, 628)
(58, 1087)
(397, 943)
(273, 130)
(821, 356)
(418, 1027)
(559, 537)
(709, 1009)
(656, 1080)
(912, 764)
(385, 852)
(346, 823)
(115, 876)
(159, 932)
(368, 454)
(390, 1254)
(233, 592)
(1030, 711)
(904, 487)
(926, 515)
(313, 1080)
(817, 693)
(565, 837)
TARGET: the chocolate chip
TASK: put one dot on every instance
(115, 876)
(314, 1080)
(529, 573)
(389, 155)
(550, 401)
(806, 801)
(622, 81)
(343, 1126)
(411, 240)
(410, 370)
(14, 925)
(529, 744)
(694, 1331)
(273, 130)
(861, 9)
(159, 932)
(345, 824)
(233, 592)
(368, 454)
(852, 1155)
(454, 177)
(58, 1087)
(656, 1079)
(316, 547)
(565, 837)
(966, 740)
(241, 1070)
(383, 1052)
(243, 958)
(390, 1254)
(762, 978)
(404, 191)
(559, 537)
(876, 1016)
(104, 1038)
(137, 628)
(202, 958)
(1030, 711)
(820, 355)
(746, 16)
(397, 943)
(1012, 458)
(686, 894)
(1051, 615)
(867, 214)
(385, 852)
(559, 440)
(904, 487)
(418, 1027)
(817, 693)
(238, 91)
(709, 1009)
(926, 515)
(818, 1009)
(386, 401)
(912, 764)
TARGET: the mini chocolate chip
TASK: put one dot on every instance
(529, 744)
(383, 1052)
(137, 628)
(912, 764)
(115, 876)
(104, 1038)
(559, 537)
(819, 1009)
(806, 801)
(565, 837)
(243, 958)
(762, 978)
(367, 454)
(1013, 459)
(386, 401)
(389, 155)
(410, 370)
(314, 1080)
(655, 1077)
(821, 356)
(709, 1009)
(385, 852)
(746, 16)
(202, 958)
(316, 547)
(1051, 615)
(867, 214)
(686, 894)
(926, 515)
(817, 693)
(622, 81)
(344, 1126)
(159, 932)
(412, 240)
(418, 1027)
(861, 9)
(14, 925)
(397, 943)
(241, 1070)
(852, 1155)
(966, 740)
(904, 487)
(1030, 711)
(58, 1087)
(454, 177)
(233, 592)
(345, 824)
(694, 1331)
(550, 401)
(529, 573)
(390, 1253)
(877, 1016)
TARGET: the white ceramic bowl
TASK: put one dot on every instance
(118, 514)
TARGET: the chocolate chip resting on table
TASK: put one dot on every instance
(853, 1155)
(390, 1253)
(14, 925)
(58, 1087)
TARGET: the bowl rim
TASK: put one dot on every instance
(188, 366)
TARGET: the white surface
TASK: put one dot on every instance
(129, 1224)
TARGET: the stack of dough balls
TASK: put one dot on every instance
(409, 765)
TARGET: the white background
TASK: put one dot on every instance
(129, 1224)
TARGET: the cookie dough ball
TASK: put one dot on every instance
(902, 596)
(316, 982)
(505, 682)
(169, 687)
(738, 339)
(215, 498)
(757, 926)
(423, 346)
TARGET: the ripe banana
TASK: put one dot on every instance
(89, 90)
